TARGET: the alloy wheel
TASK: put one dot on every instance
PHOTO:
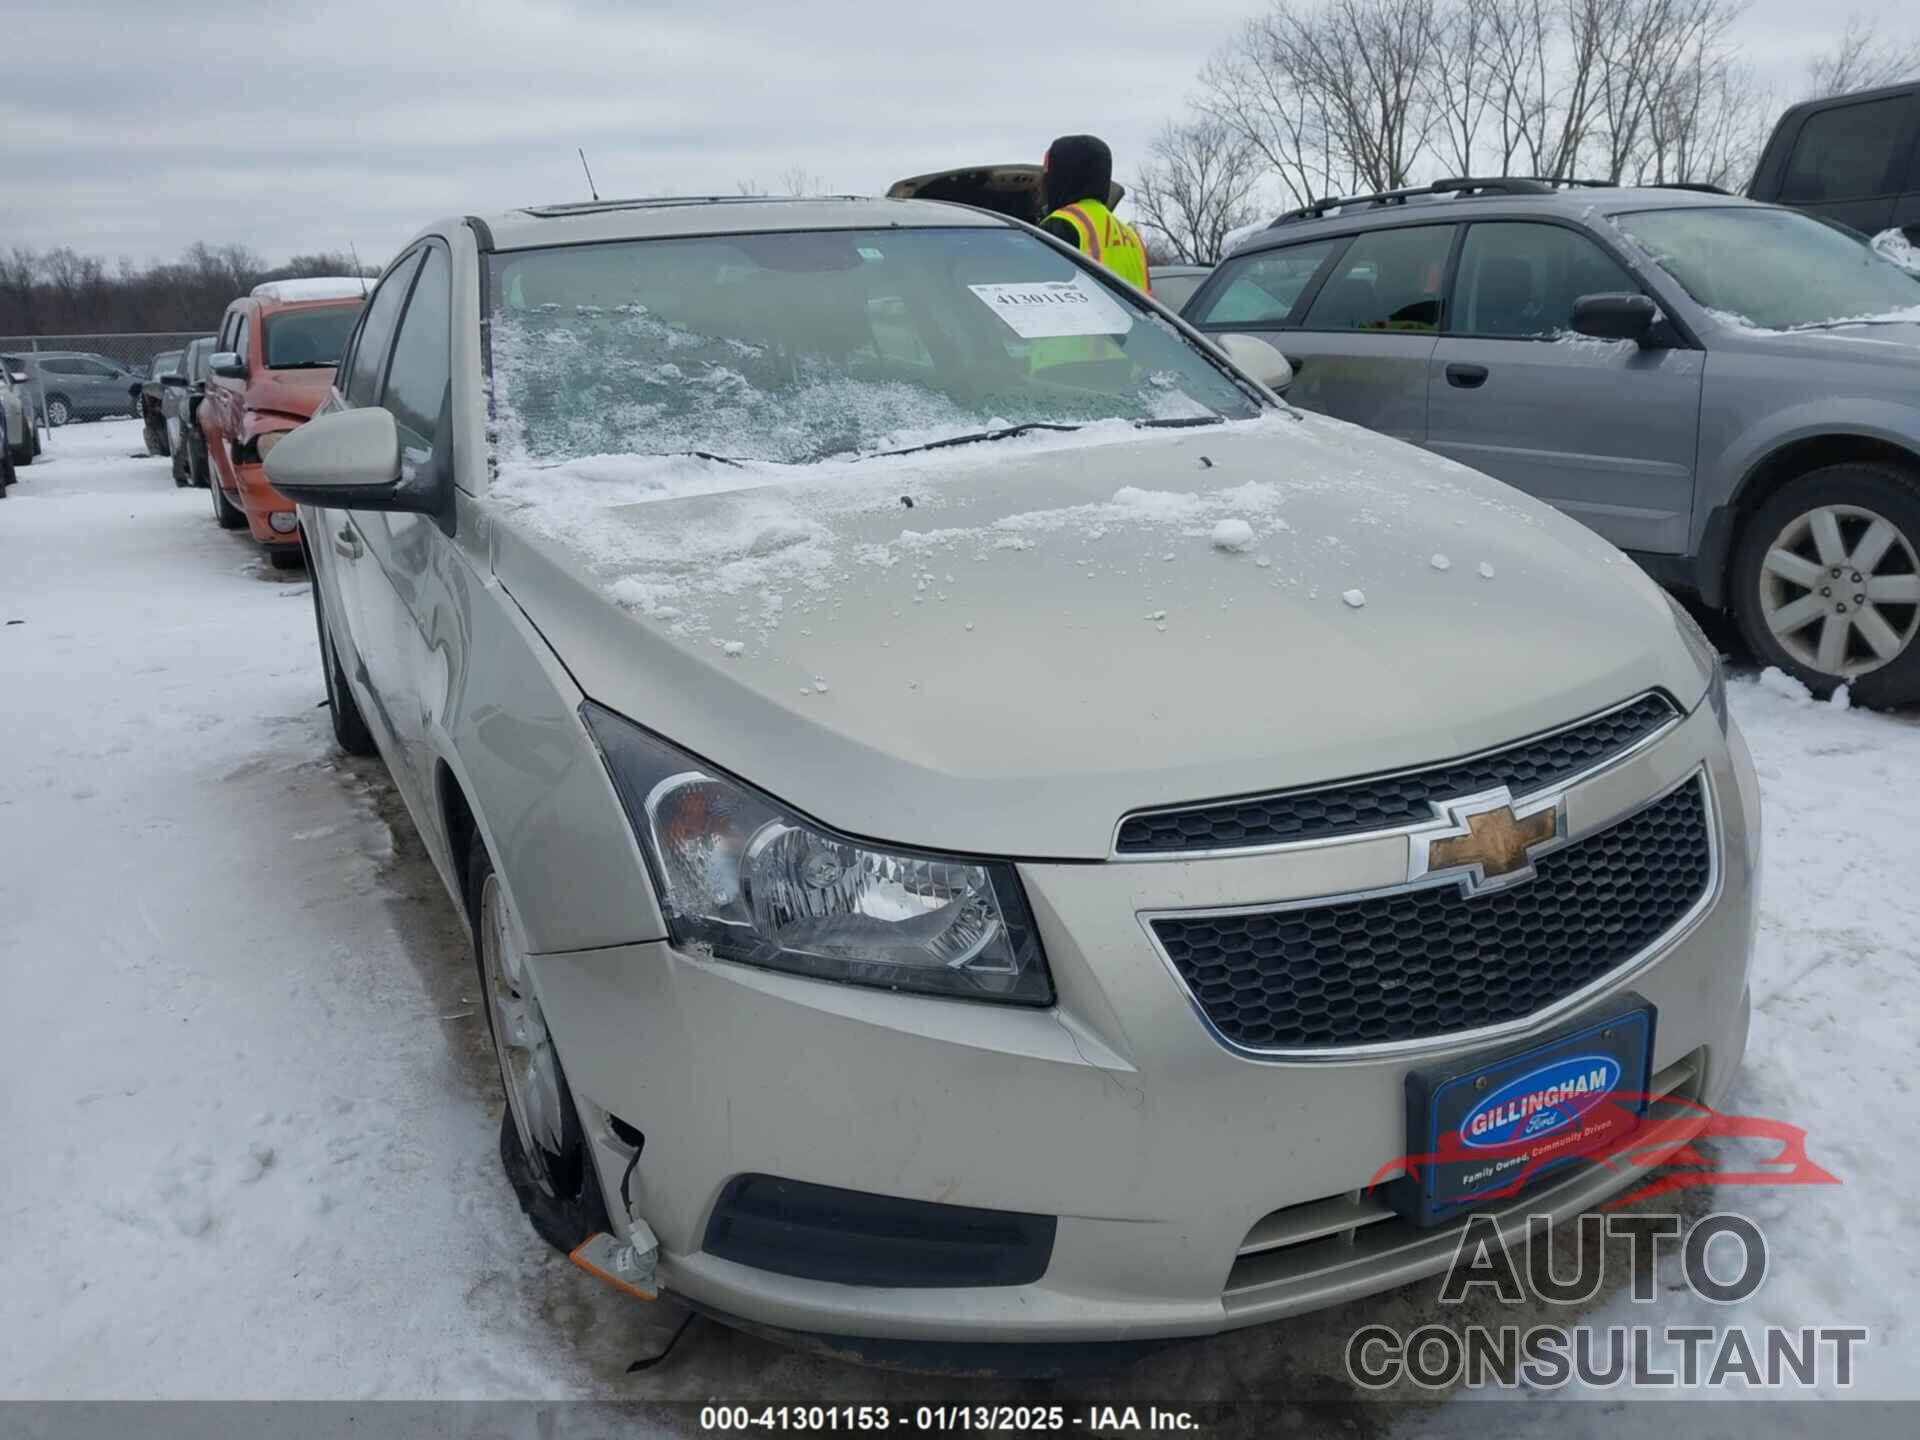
(528, 1064)
(57, 412)
(1840, 590)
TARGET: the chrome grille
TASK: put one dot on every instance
(1387, 801)
(1418, 964)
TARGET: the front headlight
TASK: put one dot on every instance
(1708, 656)
(748, 879)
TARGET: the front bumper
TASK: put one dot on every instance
(261, 502)
(1195, 1189)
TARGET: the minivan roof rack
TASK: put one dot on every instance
(1466, 186)
(1700, 186)
(1455, 185)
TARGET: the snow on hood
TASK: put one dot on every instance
(1892, 245)
(314, 287)
(1061, 628)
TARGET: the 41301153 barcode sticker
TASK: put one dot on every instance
(1044, 309)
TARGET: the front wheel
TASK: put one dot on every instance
(542, 1142)
(349, 725)
(59, 410)
(179, 460)
(1826, 581)
(225, 513)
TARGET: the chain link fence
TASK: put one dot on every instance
(90, 377)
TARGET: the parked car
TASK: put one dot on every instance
(1703, 380)
(77, 385)
(18, 435)
(1173, 285)
(182, 391)
(954, 852)
(272, 360)
(1854, 159)
(153, 421)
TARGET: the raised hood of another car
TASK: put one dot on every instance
(1062, 629)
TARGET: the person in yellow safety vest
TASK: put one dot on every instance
(1076, 178)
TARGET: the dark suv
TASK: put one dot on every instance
(1851, 158)
(1728, 391)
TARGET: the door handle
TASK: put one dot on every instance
(347, 543)
(1466, 377)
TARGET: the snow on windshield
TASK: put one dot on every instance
(795, 348)
(1761, 269)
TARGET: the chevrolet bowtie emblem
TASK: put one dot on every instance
(1484, 842)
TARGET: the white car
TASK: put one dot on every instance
(979, 822)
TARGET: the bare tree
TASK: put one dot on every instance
(1197, 188)
(801, 181)
(1861, 59)
(1248, 88)
(1460, 83)
(1705, 122)
(1518, 36)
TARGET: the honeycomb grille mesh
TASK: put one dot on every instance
(1392, 800)
(1419, 964)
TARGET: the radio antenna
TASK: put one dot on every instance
(583, 165)
(359, 270)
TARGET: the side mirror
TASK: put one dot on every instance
(1614, 317)
(228, 363)
(20, 377)
(1258, 359)
(350, 460)
(173, 377)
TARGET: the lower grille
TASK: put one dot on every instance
(1311, 1254)
(1421, 964)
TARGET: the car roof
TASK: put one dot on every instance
(585, 222)
(1442, 207)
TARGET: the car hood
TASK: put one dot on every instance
(1058, 630)
(1867, 342)
(289, 392)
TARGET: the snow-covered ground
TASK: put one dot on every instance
(250, 1116)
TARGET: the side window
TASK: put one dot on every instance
(1844, 153)
(370, 350)
(1263, 289)
(96, 368)
(1521, 280)
(1387, 280)
(240, 339)
(225, 342)
(417, 378)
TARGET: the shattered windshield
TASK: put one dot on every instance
(800, 346)
(1772, 269)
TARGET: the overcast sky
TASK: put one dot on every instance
(133, 127)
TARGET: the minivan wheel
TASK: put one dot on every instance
(1826, 581)
(179, 458)
(542, 1142)
(59, 411)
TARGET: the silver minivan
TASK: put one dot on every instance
(981, 823)
(1725, 390)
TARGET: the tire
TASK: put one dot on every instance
(545, 1155)
(59, 410)
(285, 557)
(181, 477)
(1795, 593)
(156, 440)
(198, 466)
(6, 471)
(228, 515)
(350, 730)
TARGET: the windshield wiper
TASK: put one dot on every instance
(1183, 422)
(1005, 432)
(306, 365)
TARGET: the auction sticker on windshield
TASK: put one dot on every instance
(1045, 309)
